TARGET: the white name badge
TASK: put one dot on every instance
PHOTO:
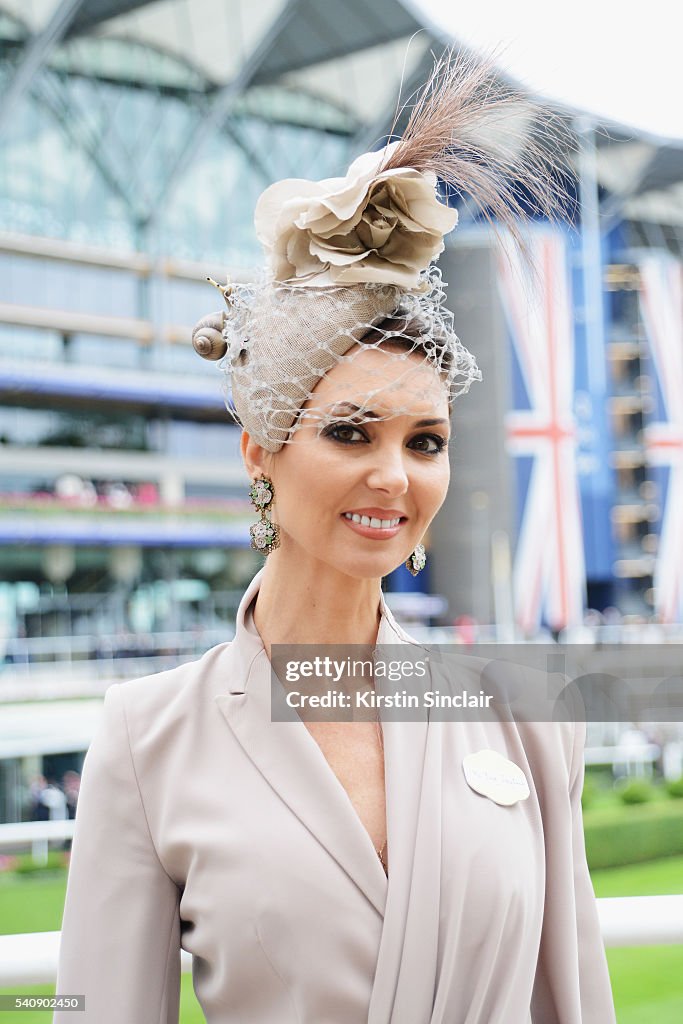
(494, 776)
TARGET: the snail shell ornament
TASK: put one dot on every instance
(207, 335)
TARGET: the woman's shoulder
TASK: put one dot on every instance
(169, 696)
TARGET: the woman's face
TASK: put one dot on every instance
(335, 472)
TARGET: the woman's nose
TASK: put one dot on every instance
(389, 472)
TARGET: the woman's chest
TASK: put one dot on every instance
(355, 756)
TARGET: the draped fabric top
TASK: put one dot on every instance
(203, 824)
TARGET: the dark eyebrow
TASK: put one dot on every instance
(340, 407)
(350, 407)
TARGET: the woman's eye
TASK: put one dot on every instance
(430, 444)
(344, 432)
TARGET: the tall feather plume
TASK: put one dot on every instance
(489, 141)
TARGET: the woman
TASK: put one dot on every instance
(335, 872)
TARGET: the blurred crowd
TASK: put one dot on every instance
(51, 800)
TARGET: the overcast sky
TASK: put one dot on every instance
(619, 59)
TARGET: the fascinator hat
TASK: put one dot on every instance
(351, 261)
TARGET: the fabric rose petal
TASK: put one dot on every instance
(372, 226)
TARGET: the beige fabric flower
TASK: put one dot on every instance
(380, 227)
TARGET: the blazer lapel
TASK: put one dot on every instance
(293, 764)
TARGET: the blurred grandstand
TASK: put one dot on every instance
(135, 139)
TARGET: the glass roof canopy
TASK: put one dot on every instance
(155, 124)
(297, 43)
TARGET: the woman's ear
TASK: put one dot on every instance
(255, 458)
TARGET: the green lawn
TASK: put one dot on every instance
(647, 983)
(655, 878)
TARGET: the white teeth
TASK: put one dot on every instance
(373, 521)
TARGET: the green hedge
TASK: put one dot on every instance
(629, 835)
(23, 863)
(675, 788)
(636, 791)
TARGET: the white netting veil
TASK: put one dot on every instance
(282, 339)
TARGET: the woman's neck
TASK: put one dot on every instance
(315, 604)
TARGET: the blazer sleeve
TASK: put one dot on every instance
(120, 941)
(572, 984)
(597, 1005)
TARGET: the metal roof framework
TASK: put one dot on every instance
(339, 64)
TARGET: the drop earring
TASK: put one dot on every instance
(416, 560)
(265, 536)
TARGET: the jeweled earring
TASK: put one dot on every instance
(417, 560)
(265, 535)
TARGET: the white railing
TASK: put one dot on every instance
(36, 834)
(20, 833)
(641, 920)
(31, 959)
(90, 651)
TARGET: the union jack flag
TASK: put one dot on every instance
(661, 303)
(549, 574)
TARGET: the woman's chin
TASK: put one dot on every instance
(367, 568)
(351, 561)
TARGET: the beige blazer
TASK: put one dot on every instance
(204, 825)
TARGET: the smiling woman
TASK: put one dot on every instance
(342, 871)
(358, 472)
